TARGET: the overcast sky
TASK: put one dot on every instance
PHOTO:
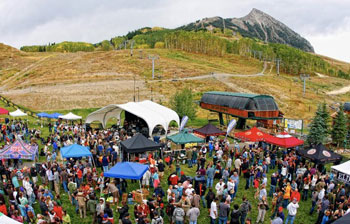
(325, 23)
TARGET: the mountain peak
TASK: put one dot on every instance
(257, 24)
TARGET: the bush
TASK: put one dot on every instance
(159, 45)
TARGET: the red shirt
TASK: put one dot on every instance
(58, 211)
(79, 174)
(174, 180)
(296, 195)
(3, 209)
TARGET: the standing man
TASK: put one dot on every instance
(193, 214)
(210, 176)
(189, 157)
(213, 211)
(292, 211)
(224, 210)
(244, 208)
(220, 188)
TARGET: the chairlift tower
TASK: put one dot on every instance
(153, 58)
(303, 78)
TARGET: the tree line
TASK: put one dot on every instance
(292, 60)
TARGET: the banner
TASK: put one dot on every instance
(293, 124)
(230, 126)
(183, 122)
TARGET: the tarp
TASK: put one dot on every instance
(18, 113)
(209, 130)
(70, 116)
(283, 140)
(7, 220)
(152, 113)
(184, 137)
(3, 111)
(139, 143)
(54, 115)
(320, 154)
(252, 135)
(343, 220)
(19, 150)
(342, 172)
(127, 170)
(42, 114)
(74, 151)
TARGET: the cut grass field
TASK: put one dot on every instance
(301, 218)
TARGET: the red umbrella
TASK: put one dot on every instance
(252, 135)
(3, 111)
(284, 140)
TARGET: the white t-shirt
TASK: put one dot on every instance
(219, 188)
(238, 163)
(230, 185)
(213, 208)
(292, 208)
(284, 171)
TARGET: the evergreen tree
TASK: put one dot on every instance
(326, 117)
(339, 130)
(317, 133)
(182, 103)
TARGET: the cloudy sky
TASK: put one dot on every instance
(325, 23)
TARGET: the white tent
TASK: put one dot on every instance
(7, 220)
(70, 116)
(152, 113)
(18, 113)
(342, 171)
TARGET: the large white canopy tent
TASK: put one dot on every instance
(18, 113)
(5, 219)
(70, 116)
(152, 113)
(342, 171)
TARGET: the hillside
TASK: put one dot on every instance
(56, 81)
(256, 24)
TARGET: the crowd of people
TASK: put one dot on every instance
(279, 177)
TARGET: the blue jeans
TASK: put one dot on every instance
(105, 168)
(251, 181)
(189, 161)
(209, 182)
(273, 164)
(179, 222)
(285, 203)
(272, 190)
(212, 221)
(75, 202)
(65, 186)
(243, 216)
(193, 222)
(234, 194)
(291, 218)
(312, 207)
(222, 220)
(203, 201)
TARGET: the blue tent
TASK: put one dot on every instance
(74, 151)
(127, 170)
(54, 115)
(43, 114)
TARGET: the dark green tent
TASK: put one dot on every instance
(184, 137)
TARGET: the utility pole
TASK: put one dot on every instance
(131, 47)
(134, 88)
(304, 77)
(151, 94)
(278, 65)
(153, 58)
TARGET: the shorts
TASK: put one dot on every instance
(145, 182)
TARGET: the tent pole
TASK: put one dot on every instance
(141, 190)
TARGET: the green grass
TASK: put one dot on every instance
(302, 215)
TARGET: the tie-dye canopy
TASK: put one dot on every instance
(19, 150)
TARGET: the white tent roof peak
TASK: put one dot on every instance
(152, 113)
(70, 116)
(344, 167)
(18, 113)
